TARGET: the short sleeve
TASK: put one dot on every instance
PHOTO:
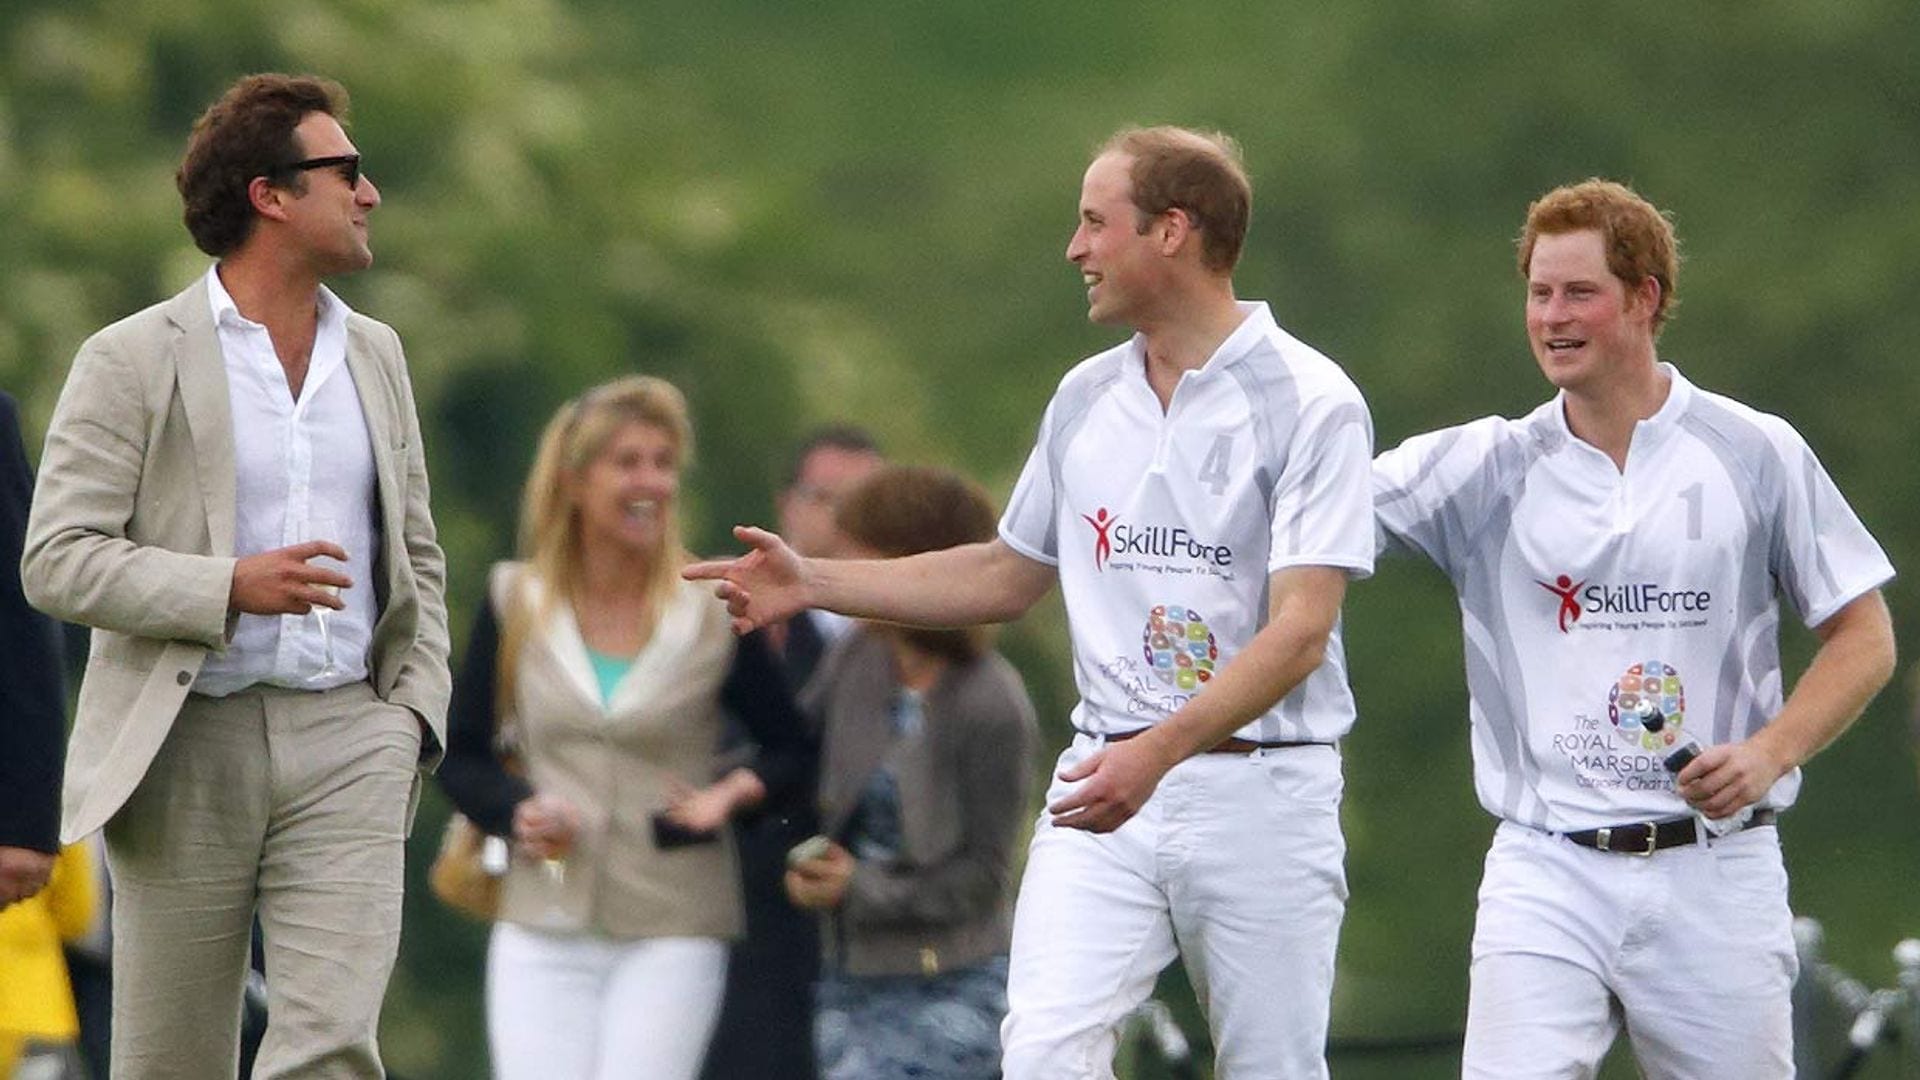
(1030, 523)
(1322, 504)
(1823, 556)
(1431, 492)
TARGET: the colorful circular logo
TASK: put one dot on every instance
(1179, 647)
(1648, 706)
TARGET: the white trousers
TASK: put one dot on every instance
(1234, 864)
(1691, 949)
(581, 1007)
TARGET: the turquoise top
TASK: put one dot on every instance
(608, 669)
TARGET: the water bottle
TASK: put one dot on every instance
(1689, 749)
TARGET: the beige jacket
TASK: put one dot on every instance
(132, 527)
(617, 764)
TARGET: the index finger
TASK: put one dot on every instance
(1073, 802)
(322, 575)
(710, 570)
(1087, 819)
(1083, 769)
(1702, 762)
(315, 549)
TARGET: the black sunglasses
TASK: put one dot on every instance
(348, 164)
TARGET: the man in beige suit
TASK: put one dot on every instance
(233, 495)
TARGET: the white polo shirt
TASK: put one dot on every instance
(1585, 591)
(1166, 526)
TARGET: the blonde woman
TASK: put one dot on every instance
(610, 676)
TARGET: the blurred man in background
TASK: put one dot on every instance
(766, 1018)
(1619, 553)
(252, 720)
(829, 463)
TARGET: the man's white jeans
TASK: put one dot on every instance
(1233, 864)
(1691, 947)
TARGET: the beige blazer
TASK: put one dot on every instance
(619, 763)
(132, 526)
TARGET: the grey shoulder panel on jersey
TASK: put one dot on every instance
(1742, 449)
(1273, 407)
(1273, 398)
(1346, 414)
(1476, 516)
(1756, 477)
(1072, 403)
(1479, 589)
(1447, 518)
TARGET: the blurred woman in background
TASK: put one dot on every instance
(927, 760)
(606, 676)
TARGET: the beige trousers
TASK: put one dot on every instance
(290, 804)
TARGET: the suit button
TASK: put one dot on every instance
(184, 678)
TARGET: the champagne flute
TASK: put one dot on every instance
(553, 871)
(553, 887)
(324, 528)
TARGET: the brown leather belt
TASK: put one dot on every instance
(1232, 744)
(1647, 837)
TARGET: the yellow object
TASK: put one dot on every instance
(459, 875)
(36, 998)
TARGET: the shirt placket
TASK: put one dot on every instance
(1169, 420)
(1620, 505)
(296, 449)
(1611, 483)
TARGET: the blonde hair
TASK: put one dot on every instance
(550, 522)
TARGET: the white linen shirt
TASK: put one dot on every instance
(303, 470)
(1165, 525)
(1585, 590)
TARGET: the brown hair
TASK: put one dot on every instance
(1638, 238)
(247, 133)
(550, 522)
(1197, 172)
(907, 509)
(851, 438)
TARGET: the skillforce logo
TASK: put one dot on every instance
(1102, 523)
(1579, 598)
(1111, 537)
(1564, 588)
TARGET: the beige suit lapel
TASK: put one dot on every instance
(201, 371)
(370, 383)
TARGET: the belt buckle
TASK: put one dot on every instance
(1603, 839)
(1653, 840)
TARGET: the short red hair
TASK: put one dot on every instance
(1638, 238)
